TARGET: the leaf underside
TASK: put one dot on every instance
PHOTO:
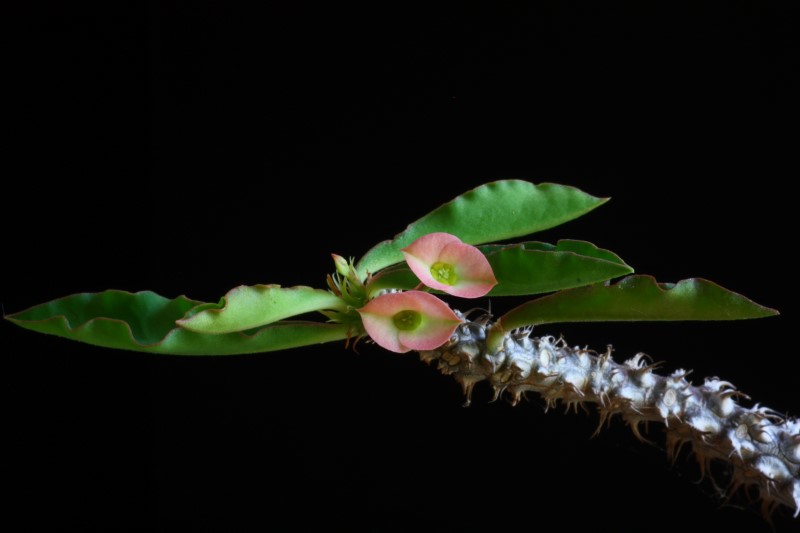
(636, 298)
(146, 322)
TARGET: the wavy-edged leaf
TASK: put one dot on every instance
(528, 268)
(492, 212)
(145, 322)
(635, 298)
(536, 267)
(247, 307)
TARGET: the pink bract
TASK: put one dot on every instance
(470, 273)
(436, 322)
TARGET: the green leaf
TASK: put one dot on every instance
(248, 307)
(528, 268)
(399, 277)
(535, 267)
(145, 322)
(492, 212)
(635, 298)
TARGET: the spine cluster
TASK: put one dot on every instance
(761, 446)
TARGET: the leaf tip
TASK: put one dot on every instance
(769, 311)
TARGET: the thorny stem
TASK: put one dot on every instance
(761, 447)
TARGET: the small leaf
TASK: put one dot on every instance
(535, 267)
(248, 307)
(492, 212)
(145, 322)
(635, 298)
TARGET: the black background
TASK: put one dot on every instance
(188, 147)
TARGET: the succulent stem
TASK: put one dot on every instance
(761, 446)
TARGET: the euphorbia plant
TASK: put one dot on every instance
(397, 295)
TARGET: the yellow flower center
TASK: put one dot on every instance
(444, 273)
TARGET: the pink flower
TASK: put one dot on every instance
(411, 320)
(441, 261)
